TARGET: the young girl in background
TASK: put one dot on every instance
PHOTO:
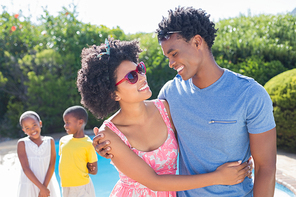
(37, 157)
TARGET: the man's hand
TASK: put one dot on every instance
(101, 148)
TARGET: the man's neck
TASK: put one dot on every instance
(208, 75)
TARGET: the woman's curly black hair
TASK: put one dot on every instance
(190, 22)
(97, 76)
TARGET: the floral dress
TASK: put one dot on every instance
(163, 160)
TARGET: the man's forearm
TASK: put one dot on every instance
(264, 183)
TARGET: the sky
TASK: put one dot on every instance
(134, 16)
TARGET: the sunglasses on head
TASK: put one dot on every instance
(132, 76)
(162, 36)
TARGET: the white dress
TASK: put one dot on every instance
(38, 158)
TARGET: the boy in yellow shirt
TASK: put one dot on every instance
(77, 155)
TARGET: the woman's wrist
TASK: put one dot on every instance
(217, 178)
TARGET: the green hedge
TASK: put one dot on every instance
(272, 37)
(282, 90)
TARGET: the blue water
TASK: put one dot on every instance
(107, 176)
(284, 189)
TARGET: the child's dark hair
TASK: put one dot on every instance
(27, 114)
(190, 22)
(97, 77)
(78, 112)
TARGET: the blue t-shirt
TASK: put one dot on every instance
(213, 126)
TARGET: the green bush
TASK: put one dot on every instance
(272, 37)
(282, 90)
(254, 67)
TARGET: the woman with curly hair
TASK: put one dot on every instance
(144, 146)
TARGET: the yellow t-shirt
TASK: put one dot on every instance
(75, 153)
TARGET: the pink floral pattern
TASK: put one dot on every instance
(163, 160)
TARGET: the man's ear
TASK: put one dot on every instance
(40, 124)
(197, 41)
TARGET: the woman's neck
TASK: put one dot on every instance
(132, 113)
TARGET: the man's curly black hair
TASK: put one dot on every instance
(97, 77)
(190, 22)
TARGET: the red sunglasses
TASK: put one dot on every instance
(132, 76)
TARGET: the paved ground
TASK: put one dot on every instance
(286, 170)
(285, 175)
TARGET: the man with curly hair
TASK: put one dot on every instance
(220, 116)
